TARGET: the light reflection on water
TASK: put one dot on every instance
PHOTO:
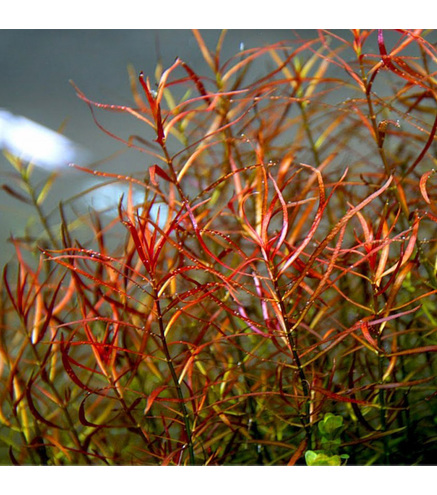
(33, 142)
(50, 151)
(106, 199)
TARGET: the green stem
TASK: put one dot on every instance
(379, 141)
(306, 418)
(36, 205)
(64, 408)
(382, 402)
(177, 385)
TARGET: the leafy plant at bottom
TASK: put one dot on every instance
(330, 429)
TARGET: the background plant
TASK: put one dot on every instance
(280, 270)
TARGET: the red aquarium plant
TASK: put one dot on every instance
(271, 299)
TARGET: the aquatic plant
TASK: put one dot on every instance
(272, 296)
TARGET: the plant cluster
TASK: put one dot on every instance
(272, 297)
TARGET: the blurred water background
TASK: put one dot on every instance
(36, 67)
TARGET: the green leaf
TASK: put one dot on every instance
(313, 458)
(331, 425)
(330, 444)
(46, 189)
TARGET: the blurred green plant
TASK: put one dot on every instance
(330, 429)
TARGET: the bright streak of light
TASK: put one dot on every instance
(33, 142)
(105, 199)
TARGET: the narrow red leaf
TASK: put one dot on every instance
(314, 226)
(408, 384)
(138, 244)
(393, 275)
(159, 126)
(197, 81)
(388, 318)
(34, 410)
(12, 457)
(298, 453)
(16, 194)
(157, 170)
(284, 227)
(152, 397)
(417, 350)
(49, 312)
(422, 184)
(410, 75)
(364, 325)
(8, 289)
(150, 98)
(340, 398)
(155, 108)
(81, 414)
(429, 141)
(66, 362)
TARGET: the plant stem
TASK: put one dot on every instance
(36, 205)
(306, 419)
(177, 385)
(309, 134)
(381, 397)
(378, 140)
(62, 405)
